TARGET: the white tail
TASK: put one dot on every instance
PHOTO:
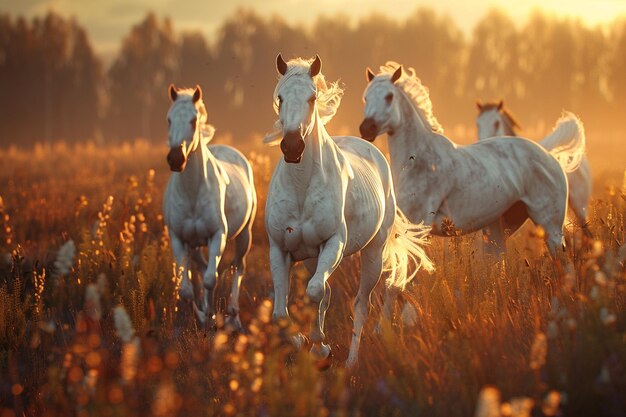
(567, 141)
(404, 248)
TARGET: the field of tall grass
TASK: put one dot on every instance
(90, 322)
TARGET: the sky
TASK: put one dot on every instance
(108, 21)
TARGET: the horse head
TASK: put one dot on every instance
(381, 108)
(183, 125)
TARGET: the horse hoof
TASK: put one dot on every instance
(299, 341)
(315, 291)
(323, 364)
(234, 324)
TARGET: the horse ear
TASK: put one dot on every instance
(281, 65)
(316, 66)
(172, 92)
(396, 75)
(197, 95)
(479, 105)
(500, 104)
(369, 74)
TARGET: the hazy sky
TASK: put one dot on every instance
(107, 21)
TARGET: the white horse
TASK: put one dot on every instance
(495, 120)
(462, 189)
(331, 197)
(209, 199)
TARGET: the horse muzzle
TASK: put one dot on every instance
(176, 159)
(368, 129)
(292, 147)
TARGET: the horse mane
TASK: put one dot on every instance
(417, 93)
(186, 95)
(510, 119)
(329, 94)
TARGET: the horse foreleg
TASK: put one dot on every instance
(280, 264)
(215, 247)
(242, 247)
(329, 258)
(180, 251)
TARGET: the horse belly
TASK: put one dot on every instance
(365, 206)
(237, 207)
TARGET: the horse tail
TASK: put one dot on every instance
(404, 248)
(567, 142)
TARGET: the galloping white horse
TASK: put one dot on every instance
(462, 189)
(495, 120)
(331, 197)
(209, 199)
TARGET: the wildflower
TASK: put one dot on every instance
(597, 249)
(552, 331)
(488, 404)
(606, 317)
(123, 325)
(130, 357)
(571, 324)
(65, 258)
(551, 403)
(409, 315)
(594, 294)
(600, 278)
(166, 401)
(93, 308)
(538, 351)
(521, 406)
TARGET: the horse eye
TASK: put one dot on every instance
(280, 100)
(193, 121)
(312, 99)
(389, 98)
(169, 121)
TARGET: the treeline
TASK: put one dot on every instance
(53, 86)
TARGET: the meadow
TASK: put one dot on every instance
(90, 322)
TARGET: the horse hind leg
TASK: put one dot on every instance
(243, 243)
(551, 219)
(371, 269)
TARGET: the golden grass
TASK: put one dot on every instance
(520, 332)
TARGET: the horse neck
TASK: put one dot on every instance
(414, 140)
(196, 172)
(319, 152)
(509, 130)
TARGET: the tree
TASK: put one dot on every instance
(138, 81)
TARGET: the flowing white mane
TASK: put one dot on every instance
(417, 93)
(329, 94)
(186, 95)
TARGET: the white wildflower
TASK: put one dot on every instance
(65, 258)
(521, 406)
(551, 404)
(488, 404)
(93, 308)
(605, 375)
(606, 317)
(130, 357)
(123, 325)
(553, 330)
(538, 351)
(409, 315)
(600, 278)
(597, 249)
(572, 324)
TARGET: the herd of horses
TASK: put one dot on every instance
(333, 196)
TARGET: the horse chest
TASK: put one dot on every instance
(301, 229)
(194, 221)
